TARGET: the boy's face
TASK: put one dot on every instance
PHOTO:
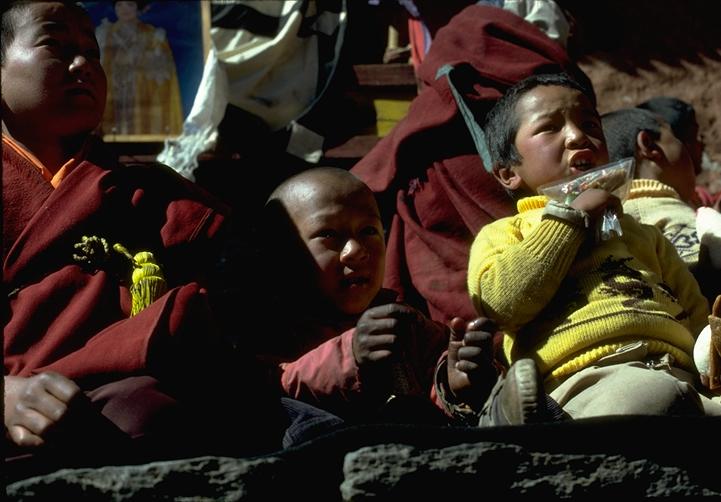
(52, 78)
(559, 135)
(342, 230)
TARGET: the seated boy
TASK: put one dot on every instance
(348, 347)
(76, 360)
(681, 116)
(610, 324)
(663, 190)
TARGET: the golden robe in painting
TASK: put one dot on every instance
(143, 91)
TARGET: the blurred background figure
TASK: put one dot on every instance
(143, 91)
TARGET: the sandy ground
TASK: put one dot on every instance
(635, 50)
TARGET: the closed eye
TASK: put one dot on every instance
(546, 127)
(48, 42)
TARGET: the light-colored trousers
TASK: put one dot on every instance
(630, 382)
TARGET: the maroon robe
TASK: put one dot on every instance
(428, 170)
(74, 320)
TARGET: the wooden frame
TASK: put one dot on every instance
(149, 92)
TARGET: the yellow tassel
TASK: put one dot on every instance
(148, 281)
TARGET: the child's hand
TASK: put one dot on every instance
(35, 405)
(595, 202)
(471, 372)
(381, 333)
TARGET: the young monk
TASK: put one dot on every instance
(99, 339)
(352, 347)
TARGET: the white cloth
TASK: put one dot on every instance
(277, 78)
(546, 15)
(708, 228)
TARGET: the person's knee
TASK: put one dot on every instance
(136, 405)
(633, 389)
(644, 391)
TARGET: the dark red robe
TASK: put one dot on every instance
(64, 317)
(427, 170)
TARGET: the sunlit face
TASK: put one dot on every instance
(340, 225)
(126, 11)
(559, 135)
(52, 74)
(679, 171)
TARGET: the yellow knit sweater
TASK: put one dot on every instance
(655, 203)
(567, 301)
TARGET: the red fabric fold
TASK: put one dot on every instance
(74, 319)
(427, 171)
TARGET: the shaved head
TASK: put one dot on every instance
(309, 184)
(335, 219)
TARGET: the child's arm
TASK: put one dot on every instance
(512, 276)
(355, 370)
(326, 376)
(34, 406)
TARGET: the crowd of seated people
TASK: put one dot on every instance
(463, 298)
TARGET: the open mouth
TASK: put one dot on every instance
(349, 282)
(81, 91)
(582, 165)
(579, 165)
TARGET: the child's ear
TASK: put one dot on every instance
(646, 146)
(508, 177)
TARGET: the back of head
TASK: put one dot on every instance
(679, 114)
(502, 122)
(621, 128)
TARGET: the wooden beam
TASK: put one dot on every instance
(385, 75)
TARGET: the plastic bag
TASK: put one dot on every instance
(614, 178)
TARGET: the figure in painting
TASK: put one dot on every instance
(143, 91)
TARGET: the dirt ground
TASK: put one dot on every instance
(636, 50)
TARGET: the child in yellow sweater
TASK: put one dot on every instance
(610, 324)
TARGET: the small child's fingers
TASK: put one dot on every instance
(376, 327)
(482, 324)
(478, 338)
(378, 342)
(470, 353)
(375, 356)
(394, 310)
(458, 328)
(467, 367)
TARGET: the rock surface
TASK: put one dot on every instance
(624, 457)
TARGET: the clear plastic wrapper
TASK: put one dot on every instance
(614, 178)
